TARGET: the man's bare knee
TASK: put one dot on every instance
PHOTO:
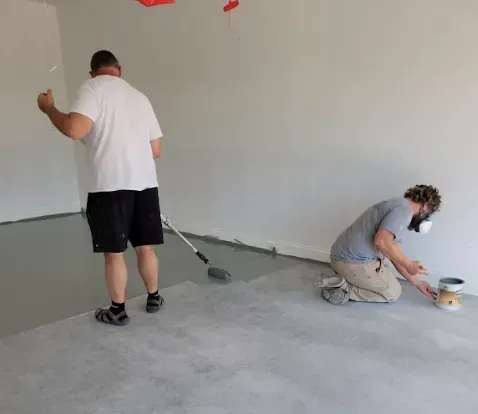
(113, 257)
(145, 251)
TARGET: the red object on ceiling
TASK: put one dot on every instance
(231, 5)
(151, 3)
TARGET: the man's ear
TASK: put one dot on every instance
(92, 74)
(120, 69)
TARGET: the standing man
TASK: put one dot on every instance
(359, 252)
(122, 136)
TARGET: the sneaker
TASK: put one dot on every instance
(329, 282)
(154, 304)
(337, 296)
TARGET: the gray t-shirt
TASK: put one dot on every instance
(356, 243)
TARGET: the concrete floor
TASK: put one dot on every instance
(269, 346)
(49, 273)
(264, 343)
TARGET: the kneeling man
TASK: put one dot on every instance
(358, 254)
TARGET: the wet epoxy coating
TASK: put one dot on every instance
(48, 271)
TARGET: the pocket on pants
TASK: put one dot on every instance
(365, 276)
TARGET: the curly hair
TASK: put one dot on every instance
(425, 194)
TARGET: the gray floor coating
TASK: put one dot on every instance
(48, 271)
(271, 345)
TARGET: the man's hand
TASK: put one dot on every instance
(75, 126)
(46, 101)
(415, 268)
(426, 289)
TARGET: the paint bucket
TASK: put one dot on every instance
(450, 291)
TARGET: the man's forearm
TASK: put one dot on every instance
(400, 269)
(60, 120)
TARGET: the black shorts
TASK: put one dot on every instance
(118, 216)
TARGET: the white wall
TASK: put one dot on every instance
(282, 129)
(37, 167)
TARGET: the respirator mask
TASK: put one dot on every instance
(421, 223)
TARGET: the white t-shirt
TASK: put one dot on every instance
(119, 152)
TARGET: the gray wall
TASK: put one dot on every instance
(37, 166)
(282, 129)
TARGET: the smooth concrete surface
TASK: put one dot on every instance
(48, 271)
(271, 345)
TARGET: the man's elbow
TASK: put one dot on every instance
(156, 154)
(75, 130)
(384, 240)
(383, 245)
(71, 132)
(380, 244)
(75, 135)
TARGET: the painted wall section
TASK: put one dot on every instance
(281, 130)
(37, 166)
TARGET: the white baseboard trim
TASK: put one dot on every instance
(282, 247)
(287, 248)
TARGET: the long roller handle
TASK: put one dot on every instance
(168, 223)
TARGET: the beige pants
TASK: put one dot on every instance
(369, 282)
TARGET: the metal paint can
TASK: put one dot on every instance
(450, 292)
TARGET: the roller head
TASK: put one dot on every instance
(219, 273)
